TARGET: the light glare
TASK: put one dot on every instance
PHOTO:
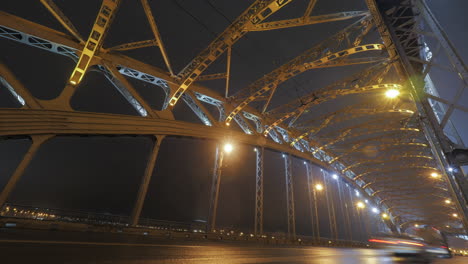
(228, 147)
(319, 187)
(392, 93)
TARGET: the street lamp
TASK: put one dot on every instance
(392, 93)
(434, 175)
(360, 205)
(385, 216)
(455, 215)
(447, 201)
(228, 147)
(375, 210)
(335, 176)
(318, 187)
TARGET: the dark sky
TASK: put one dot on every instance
(102, 174)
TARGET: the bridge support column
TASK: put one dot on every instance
(290, 197)
(135, 217)
(259, 191)
(37, 141)
(312, 203)
(215, 188)
(330, 206)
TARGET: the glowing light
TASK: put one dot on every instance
(385, 216)
(228, 124)
(73, 82)
(228, 148)
(392, 93)
(318, 187)
(448, 201)
(335, 176)
(366, 201)
(455, 215)
(434, 175)
(360, 205)
(255, 149)
(375, 210)
(284, 156)
(304, 162)
(450, 169)
(416, 225)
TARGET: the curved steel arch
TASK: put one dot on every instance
(326, 96)
(114, 65)
(331, 119)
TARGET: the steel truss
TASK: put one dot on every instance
(301, 137)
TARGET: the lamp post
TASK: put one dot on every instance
(227, 148)
(317, 188)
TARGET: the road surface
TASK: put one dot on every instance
(83, 248)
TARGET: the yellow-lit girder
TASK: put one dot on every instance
(304, 21)
(256, 13)
(213, 76)
(95, 39)
(135, 45)
(302, 68)
(328, 95)
(394, 170)
(383, 130)
(396, 158)
(329, 119)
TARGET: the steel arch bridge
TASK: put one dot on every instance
(386, 148)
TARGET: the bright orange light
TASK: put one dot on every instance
(319, 187)
(383, 241)
(392, 93)
(411, 243)
(434, 175)
(228, 148)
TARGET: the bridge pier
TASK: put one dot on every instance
(290, 197)
(330, 206)
(215, 188)
(259, 191)
(37, 141)
(312, 202)
(135, 217)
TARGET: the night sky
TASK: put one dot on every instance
(102, 174)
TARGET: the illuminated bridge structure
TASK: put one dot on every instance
(402, 156)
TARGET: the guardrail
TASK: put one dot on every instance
(26, 217)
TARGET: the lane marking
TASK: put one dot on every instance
(92, 243)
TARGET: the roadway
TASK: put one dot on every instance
(53, 247)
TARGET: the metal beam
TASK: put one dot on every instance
(37, 141)
(258, 229)
(305, 21)
(135, 45)
(95, 39)
(216, 181)
(290, 197)
(135, 217)
(17, 89)
(60, 16)
(157, 36)
(256, 13)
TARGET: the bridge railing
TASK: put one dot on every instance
(51, 218)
